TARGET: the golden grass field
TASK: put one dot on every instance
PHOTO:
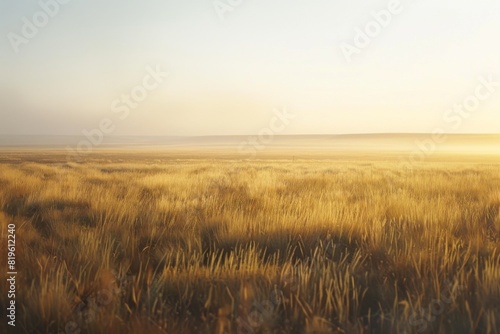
(137, 243)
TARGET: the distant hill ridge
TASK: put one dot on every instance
(322, 140)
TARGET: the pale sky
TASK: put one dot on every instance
(227, 75)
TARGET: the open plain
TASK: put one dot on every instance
(207, 240)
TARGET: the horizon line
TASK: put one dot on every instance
(256, 134)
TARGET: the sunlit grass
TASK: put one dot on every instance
(205, 246)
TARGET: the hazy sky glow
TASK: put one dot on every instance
(227, 75)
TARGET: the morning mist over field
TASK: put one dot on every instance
(230, 63)
(249, 167)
